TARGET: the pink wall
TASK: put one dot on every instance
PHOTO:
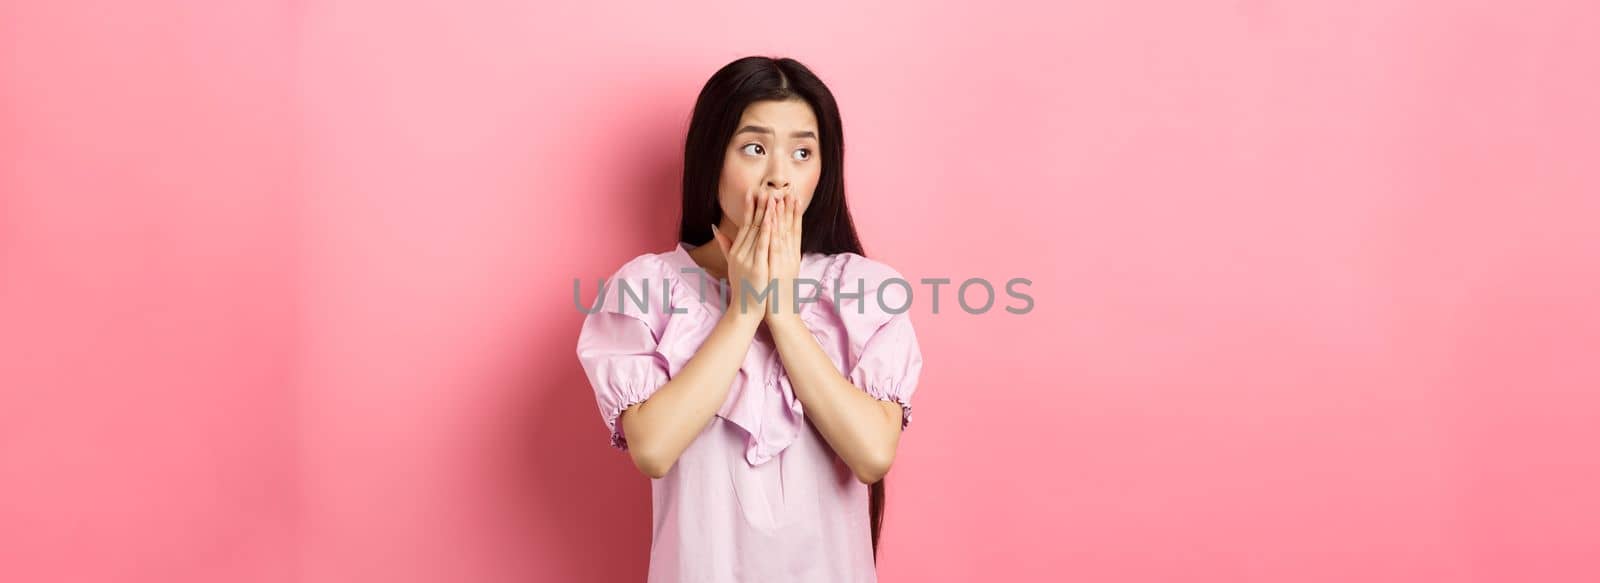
(285, 290)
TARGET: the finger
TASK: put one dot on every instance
(793, 228)
(766, 238)
(722, 241)
(744, 228)
(780, 225)
(763, 208)
(799, 222)
(748, 231)
(757, 227)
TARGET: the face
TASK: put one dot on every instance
(775, 151)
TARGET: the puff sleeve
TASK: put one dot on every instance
(886, 360)
(618, 343)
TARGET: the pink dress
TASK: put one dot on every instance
(759, 495)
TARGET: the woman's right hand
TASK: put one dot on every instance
(746, 257)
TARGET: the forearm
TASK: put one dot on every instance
(862, 430)
(662, 427)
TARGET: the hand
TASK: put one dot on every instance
(784, 257)
(746, 256)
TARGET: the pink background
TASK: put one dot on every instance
(285, 289)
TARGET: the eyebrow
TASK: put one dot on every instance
(767, 130)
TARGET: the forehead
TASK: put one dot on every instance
(782, 116)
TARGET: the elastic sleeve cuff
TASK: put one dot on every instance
(628, 397)
(890, 390)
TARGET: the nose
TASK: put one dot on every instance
(777, 178)
(777, 185)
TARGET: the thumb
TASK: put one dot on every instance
(722, 241)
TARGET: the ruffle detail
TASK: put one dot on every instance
(813, 312)
(767, 409)
(779, 420)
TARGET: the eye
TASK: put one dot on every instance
(803, 154)
(758, 149)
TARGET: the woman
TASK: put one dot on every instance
(765, 416)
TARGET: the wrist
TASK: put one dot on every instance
(749, 317)
(783, 319)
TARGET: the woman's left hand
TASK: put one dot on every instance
(784, 256)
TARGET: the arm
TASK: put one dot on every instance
(863, 430)
(659, 429)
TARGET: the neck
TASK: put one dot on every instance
(709, 258)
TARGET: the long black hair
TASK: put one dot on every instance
(826, 227)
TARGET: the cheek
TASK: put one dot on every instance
(808, 190)
(732, 205)
(730, 190)
(811, 176)
(739, 176)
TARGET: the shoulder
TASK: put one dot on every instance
(852, 272)
(667, 284)
(642, 270)
(641, 288)
(862, 293)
